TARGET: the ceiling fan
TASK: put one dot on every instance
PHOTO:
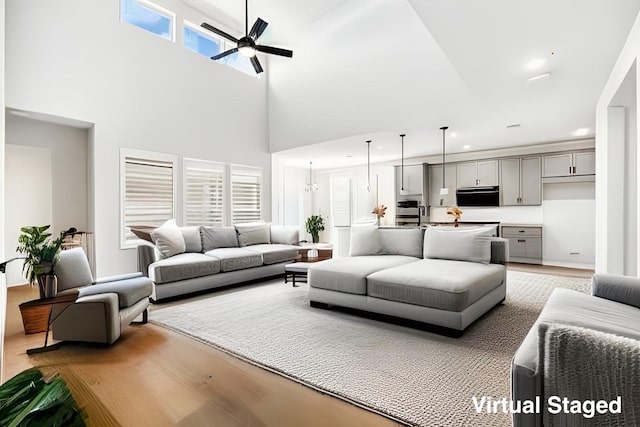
(246, 45)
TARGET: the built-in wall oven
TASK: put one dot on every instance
(408, 213)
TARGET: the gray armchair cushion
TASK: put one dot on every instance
(218, 237)
(622, 289)
(73, 269)
(129, 291)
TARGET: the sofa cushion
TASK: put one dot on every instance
(285, 235)
(436, 283)
(348, 274)
(232, 259)
(129, 291)
(401, 241)
(192, 239)
(168, 239)
(254, 233)
(364, 240)
(274, 253)
(461, 244)
(218, 237)
(183, 266)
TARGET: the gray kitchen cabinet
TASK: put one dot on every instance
(487, 173)
(520, 181)
(584, 163)
(413, 182)
(525, 243)
(579, 163)
(466, 174)
(435, 184)
(474, 174)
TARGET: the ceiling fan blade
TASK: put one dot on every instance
(275, 51)
(258, 28)
(223, 54)
(256, 65)
(218, 32)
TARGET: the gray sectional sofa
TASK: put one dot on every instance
(600, 345)
(445, 276)
(212, 257)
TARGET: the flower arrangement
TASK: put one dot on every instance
(380, 210)
(456, 212)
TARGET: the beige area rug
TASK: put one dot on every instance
(410, 375)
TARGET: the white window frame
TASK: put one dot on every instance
(144, 155)
(253, 170)
(159, 10)
(206, 34)
(214, 166)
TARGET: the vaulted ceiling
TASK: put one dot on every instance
(371, 69)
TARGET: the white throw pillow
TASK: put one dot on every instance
(285, 235)
(460, 244)
(364, 241)
(168, 239)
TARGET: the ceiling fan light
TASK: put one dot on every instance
(247, 51)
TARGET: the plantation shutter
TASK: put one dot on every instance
(203, 193)
(148, 192)
(246, 205)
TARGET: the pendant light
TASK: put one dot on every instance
(402, 162)
(310, 186)
(444, 190)
(369, 165)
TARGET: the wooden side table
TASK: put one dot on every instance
(325, 251)
(61, 302)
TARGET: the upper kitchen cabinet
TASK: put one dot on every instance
(520, 181)
(412, 181)
(475, 174)
(580, 163)
(435, 184)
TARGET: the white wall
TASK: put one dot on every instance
(611, 168)
(139, 90)
(68, 148)
(28, 197)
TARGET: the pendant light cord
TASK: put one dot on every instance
(444, 129)
(402, 162)
(246, 18)
(369, 165)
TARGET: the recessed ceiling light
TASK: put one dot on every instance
(466, 147)
(539, 76)
(380, 148)
(581, 132)
(535, 64)
(515, 125)
(453, 135)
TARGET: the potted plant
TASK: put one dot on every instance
(314, 225)
(41, 257)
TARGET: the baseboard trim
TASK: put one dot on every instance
(578, 265)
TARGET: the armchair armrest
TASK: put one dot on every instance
(146, 257)
(623, 289)
(499, 250)
(117, 278)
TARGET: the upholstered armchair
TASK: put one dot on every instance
(104, 307)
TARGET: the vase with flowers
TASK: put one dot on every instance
(456, 212)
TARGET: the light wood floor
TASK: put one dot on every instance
(153, 376)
